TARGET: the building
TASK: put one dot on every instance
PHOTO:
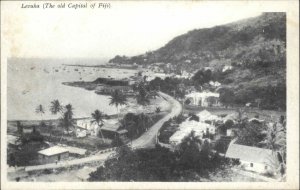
(112, 129)
(252, 158)
(226, 67)
(214, 84)
(53, 154)
(201, 128)
(203, 99)
(88, 125)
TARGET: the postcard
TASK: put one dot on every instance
(149, 94)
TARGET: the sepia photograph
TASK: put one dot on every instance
(150, 91)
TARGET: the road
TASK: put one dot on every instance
(145, 141)
(148, 138)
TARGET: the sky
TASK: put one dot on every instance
(127, 28)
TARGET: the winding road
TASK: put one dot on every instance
(147, 140)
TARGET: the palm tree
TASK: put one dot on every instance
(276, 141)
(56, 107)
(68, 117)
(98, 118)
(118, 99)
(40, 110)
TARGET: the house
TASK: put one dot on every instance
(203, 99)
(200, 128)
(214, 84)
(87, 125)
(53, 154)
(112, 129)
(207, 116)
(226, 67)
(252, 158)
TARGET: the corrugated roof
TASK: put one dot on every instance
(249, 153)
(110, 127)
(53, 151)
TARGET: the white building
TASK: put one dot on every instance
(252, 158)
(88, 125)
(200, 128)
(226, 67)
(214, 84)
(206, 115)
(201, 98)
(53, 154)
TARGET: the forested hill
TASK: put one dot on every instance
(255, 47)
(239, 42)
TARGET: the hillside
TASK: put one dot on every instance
(255, 47)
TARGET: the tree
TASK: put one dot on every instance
(40, 110)
(142, 97)
(189, 150)
(98, 118)
(227, 96)
(258, 102)
(201, 77)
(56, 107)
(276, 141)
(19, 128)
(157, 110)
(67, 120)
(251, 133)
(118, 99)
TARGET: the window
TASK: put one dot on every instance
(251, 165)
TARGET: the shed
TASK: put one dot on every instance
(53, 154)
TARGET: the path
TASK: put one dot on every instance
(254, 175)
(144, 141)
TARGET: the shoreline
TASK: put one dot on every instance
(103, 66)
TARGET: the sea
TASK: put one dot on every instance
(34, 82)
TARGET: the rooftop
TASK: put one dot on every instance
(249, 153)
(53, 151)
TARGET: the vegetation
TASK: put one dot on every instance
(157, 110)
(26, 152)
(98, 118)
(276, 141)
(202, 76)
(143, 96)
(40, 110)
(251, 133)
(137, 124)
(171, 86)
(67, 119)
(160, 164)
(118, 99)
(254, 47)
(56, 107)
